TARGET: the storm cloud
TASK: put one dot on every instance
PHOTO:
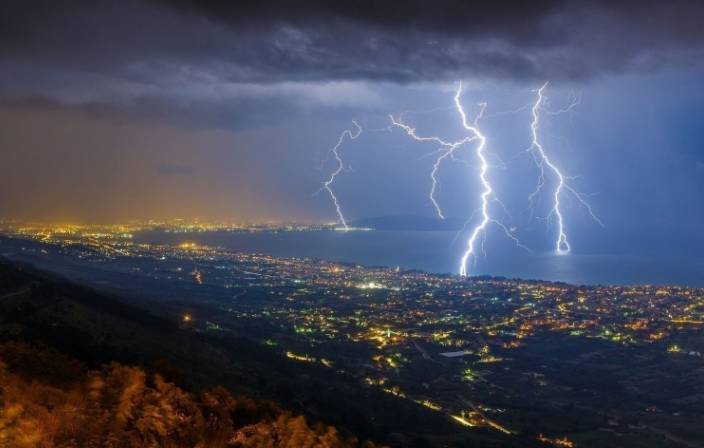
(226, 109)
(190, 53)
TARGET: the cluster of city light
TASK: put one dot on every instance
(399, 318)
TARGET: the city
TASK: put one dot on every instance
(462, 348)
(351, 224)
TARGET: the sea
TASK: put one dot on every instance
(440, 252)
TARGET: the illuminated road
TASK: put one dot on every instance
(22, 291)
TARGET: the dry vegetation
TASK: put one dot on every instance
(50, 400)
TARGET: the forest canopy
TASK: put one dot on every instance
(50, 400)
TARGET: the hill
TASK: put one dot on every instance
(51, 400)
(64, 382)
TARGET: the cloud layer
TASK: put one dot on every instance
(185, 52)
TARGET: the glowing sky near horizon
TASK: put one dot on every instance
(224, 118)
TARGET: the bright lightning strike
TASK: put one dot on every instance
(562, 245)
(447, 149)
(340, 166)
(487, 192)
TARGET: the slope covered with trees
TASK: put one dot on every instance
(51, 400)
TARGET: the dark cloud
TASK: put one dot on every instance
(179, 52)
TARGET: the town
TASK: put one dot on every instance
(465, 348)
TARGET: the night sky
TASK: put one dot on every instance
(226, 110)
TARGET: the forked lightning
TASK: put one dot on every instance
(562, 244)
(340, 166)
(447, 150)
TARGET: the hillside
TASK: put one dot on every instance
(65, 379)
(51, 400)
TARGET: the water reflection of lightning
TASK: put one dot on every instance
(562, 245)
(340, 166)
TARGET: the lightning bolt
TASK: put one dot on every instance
(340, 166)
(446, 150)
(487, 192)
(562, 245)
